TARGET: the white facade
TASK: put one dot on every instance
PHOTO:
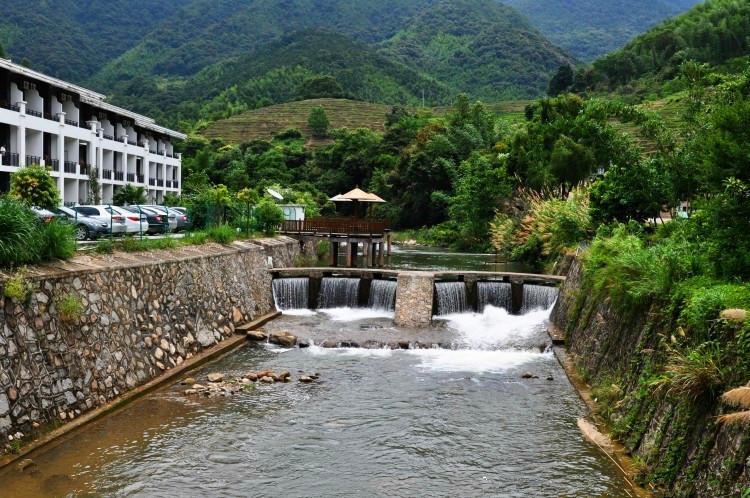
(74, 133)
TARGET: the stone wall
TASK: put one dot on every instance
(683, 449)
(142, 314)
(414, 294)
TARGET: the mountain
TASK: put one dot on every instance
(591, 28)
(486, 49)
(72, 39)
(716, 32)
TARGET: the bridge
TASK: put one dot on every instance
(415, 290)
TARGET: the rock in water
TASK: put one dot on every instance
(256, 335)
(527, 375)
(267, 380)
(215, 377)
(282, 338)
(305, 379)
(252, 376)
(592, 435)
(188, 382)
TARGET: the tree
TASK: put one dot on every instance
(129, 194)
(318, 121)
(269, 216)
(34, 186)
(570, 163)
(3, 53)
(319, 87)
(171, 200)
(561, 81)
(95, 190)
(220, 199)
(248, 197)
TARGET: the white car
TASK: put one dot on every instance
(132, 224)
(114, 220)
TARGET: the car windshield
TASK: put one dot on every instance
(66, 211)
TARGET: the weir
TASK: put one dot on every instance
(291, 293)
(417, 296)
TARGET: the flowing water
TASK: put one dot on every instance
(291, 293)
(537, 297)
(495, 294)
(451, 297)
(383, 295)
(450, 416)
(338, 292)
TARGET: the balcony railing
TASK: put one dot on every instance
(83, 168)
(5, 105)
(159, 182)
(54, 164)
(107, 174)
(108, 137)
(33, 160)
(51, 117)
(153, 151)
(341, 226)
(70, 167)
(169, 154)
(32, 112)
(119, 176)
(152, 181)
(168, 183)
(84, 125)
(131, 177)
(71, 122)
(132, 142)
(10, 159)
(175, 184)
(139, 178)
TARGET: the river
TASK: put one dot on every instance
(453, 420)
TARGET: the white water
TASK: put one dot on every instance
(495, 328)
(338, 292)
(475, 361)
(290, 293)
(353, 314)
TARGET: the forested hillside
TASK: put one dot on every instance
(713, 33)
(482, 48)
(72, 39)
(591, 28)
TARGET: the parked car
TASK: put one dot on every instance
(114, 220)
(157, 223)
(43, 215)
(86, 228)
(183, 220)
(172, 217)
(134, 222)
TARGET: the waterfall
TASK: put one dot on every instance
(495, 294)
(451, 297)
(538, 297)
(291, 293)
(339, 293)
(383, 295)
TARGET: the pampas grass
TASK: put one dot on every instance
(742, 418)
(739, 397)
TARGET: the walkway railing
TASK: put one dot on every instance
(337, 226)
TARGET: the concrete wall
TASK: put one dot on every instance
(142, 315)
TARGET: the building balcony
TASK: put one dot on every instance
(84, 125)
(152, 182)
(168, 183)
(119, 176)
(33, 160)
(32, 112)
(70, 167)
(139, 178)
(159, 182)
(107, 174)
(175, 184)
(108, 137)
(153, 151)
(132, 142)
(10, 159)
(54, 164)
(131, 177)
(50, 117)
(84, 168)
(170, 155)
(71, 122)
(5, 105)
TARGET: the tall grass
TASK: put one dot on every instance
(19, 234)
(694, 373)
(57, 240)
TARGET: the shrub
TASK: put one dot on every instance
(702, 300)
(57, 240)
(221, 234)
(69, 308)
(318, 121)
(130, 194)
(269, 216)
(694, 373)
(17, 287)
(19, 234)
(196, 238)
(105, 246)
(166, 242)
(34, 186)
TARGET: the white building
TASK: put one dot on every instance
(74, 132)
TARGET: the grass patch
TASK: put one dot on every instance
(17, 287)
(70, 308)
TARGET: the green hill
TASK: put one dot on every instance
(591, 28)
(342, 113)
(714, 33)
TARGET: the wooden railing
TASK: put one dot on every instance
(337, 226)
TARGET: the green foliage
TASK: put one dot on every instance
(221, 234)
(561, 81)
(318, 121)
(171, 200)
(697, 372)
(57, 240)
(702, 299)
(17, 287)
(104, 246)
(69, 308)
(130, 194)
(269, 216)
(19, 233)
(320, 87)
(34, 186)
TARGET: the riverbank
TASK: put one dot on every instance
(675, 441)
(93, 328)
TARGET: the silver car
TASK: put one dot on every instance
(114, 220)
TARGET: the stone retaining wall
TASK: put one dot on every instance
(142, 314)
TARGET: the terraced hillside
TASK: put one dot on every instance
(265, 122)
(670, 110)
